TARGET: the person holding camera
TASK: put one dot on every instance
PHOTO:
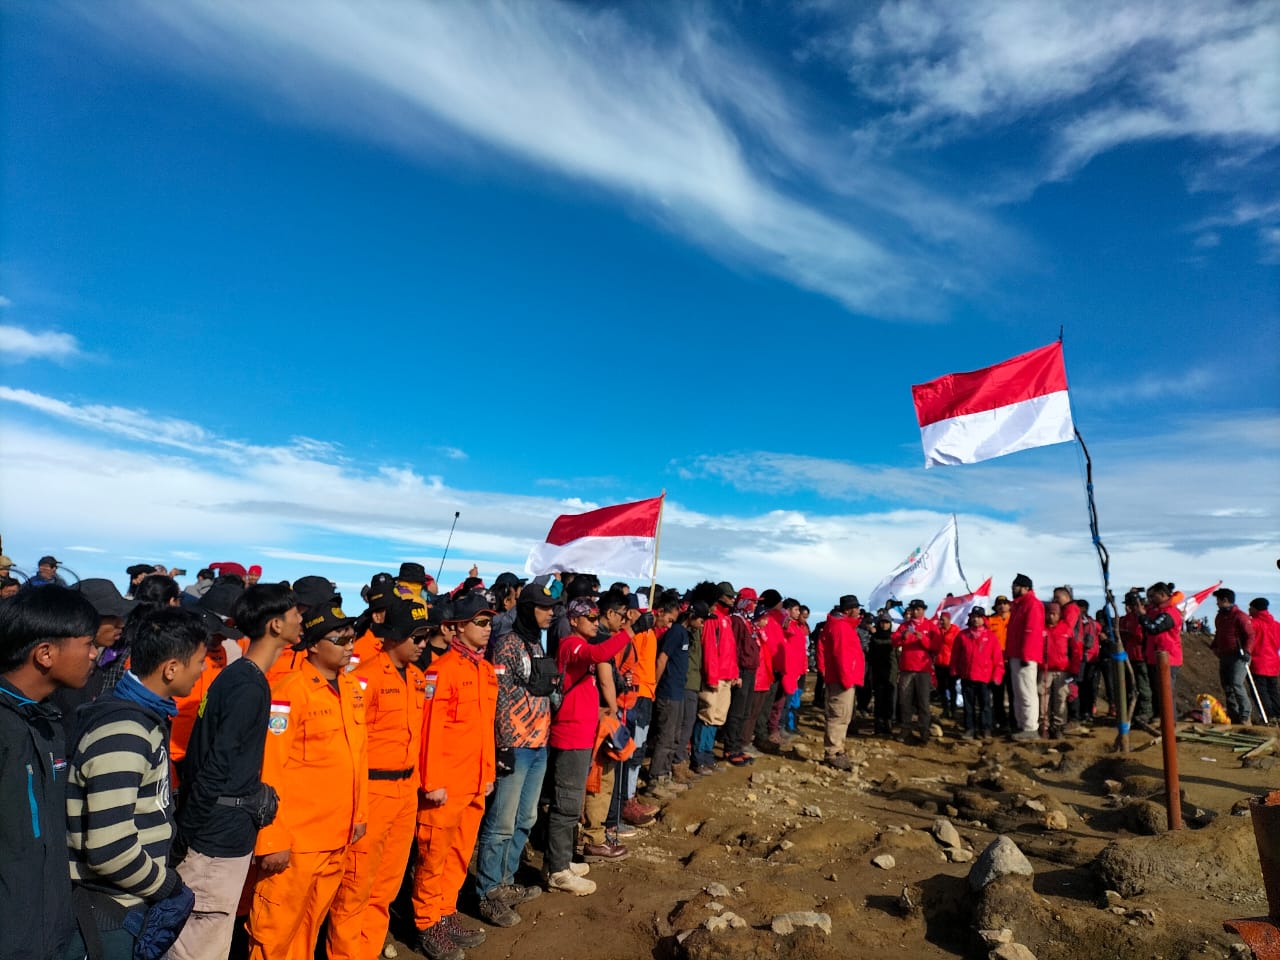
(528, 680)
(224, 802)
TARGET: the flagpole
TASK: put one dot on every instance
(956, 523)
(657, 542)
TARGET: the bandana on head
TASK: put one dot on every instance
(581, 607)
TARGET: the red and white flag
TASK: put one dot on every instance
(959, 607)
(1015, 405)
(619, 541)
(1192, 603)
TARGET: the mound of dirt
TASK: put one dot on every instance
(1220, 860)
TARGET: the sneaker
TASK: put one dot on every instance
(566, 881)
(838, 761)
(705, 769)
(625, 829)
(462, 936)
(968, 735)
(1025, 735)
(740, 759)
(498, 913)
(435, 944)
(638, 814)
(579, 869)
(514, 893)
(750, 750)
(605, 852)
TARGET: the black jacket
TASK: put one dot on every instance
(35, 879)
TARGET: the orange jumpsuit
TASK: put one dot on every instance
(457, 754)
(375, 868)
(317, 759)
(288, 662)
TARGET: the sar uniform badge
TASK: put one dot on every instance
(429, 691)
(278, 721)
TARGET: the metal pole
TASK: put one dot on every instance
(440, 569)
(1120, 663)
(657, 542)
(1256, 699)
(1169, 740)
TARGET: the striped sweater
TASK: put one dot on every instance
(119, 808)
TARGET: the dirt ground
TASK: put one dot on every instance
(788, 834)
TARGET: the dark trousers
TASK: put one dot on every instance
(756, 724)
(569, 770)
(688, 717)
(735, 732)
(1089, 689)
(1001, 696)
(913, 697)
(946, 690)
(667, 717)
(1269, 695)
(1142, 705)
(977, 706)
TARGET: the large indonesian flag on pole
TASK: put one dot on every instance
(959, 607)
(619, 541)
(1015, 405)
(1192, 603)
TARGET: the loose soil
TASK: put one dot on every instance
(1088, 819)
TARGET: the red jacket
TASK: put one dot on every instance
(1091, 633)
(1025, 638)
(791, 658)
(1057, 646)
(948, 641)
(771, 639)
(841, 649)
(1266, 645)
(919, 640)
(1168, 639)
(1232, 632)
(1134, 640)
(977, 656)
(719, 649)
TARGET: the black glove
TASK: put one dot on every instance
(1245, 658)
(505, 759)
(643, 622)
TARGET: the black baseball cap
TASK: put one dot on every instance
(404, 619)
(323, 620)
(469, 607)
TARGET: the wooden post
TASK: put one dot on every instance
(1169, 739)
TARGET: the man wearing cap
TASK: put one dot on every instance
(526, 681)
(379, 595)
(1233, 643)
(918, 641)
(977, 660)
(46, 574)
(137, 573)
(1161, 622)
(316, 756)
(413, 581)
(223, 800)
(746, 639)
(843, 670)
(1024, 644)
(395, 697)
(458, 769)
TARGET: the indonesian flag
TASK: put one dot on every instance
(1192, 603)
(1015, 405)
(959, 607)
(620, 541)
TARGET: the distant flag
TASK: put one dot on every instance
(936, 564)
(1192, 603)
(618, 541)
(959, 607)
(1014, 405)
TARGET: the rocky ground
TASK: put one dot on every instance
(789, 858)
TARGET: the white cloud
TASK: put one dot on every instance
(662, 119)
(17, 344)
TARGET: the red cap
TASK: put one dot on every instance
(747, 593)
(255, 571)
(228, 568)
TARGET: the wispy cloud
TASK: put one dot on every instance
(17, 344)
(662, 118)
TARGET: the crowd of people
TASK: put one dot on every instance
(239, 767)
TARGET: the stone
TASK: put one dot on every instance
(1112, 899)
(787, 923)
(1035, 805)
(832, 877)
(1011, 951)
(959, 855)
(950, 811)
(811, 810)
(1055, 820)
(716, 924)
(717, 890)
(715, 905)
(785, 845)
(692, 827)
(1001, 858)
(993, 938)
(935, 731)
(945, 833)
(885, 861)
(735, 921)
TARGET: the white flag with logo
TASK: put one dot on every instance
(934, 565)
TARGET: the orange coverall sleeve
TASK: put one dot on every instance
(289, 700)
(353, 710)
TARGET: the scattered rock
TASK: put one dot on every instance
(910, 900)
(811, 810)
(717, 890)
(885, 861)
(1036, 805)
(692, 827)
(935, 731)
(1113, 787)
(1055, 820)
(1112, 899)
(787, 923)
(1011, 951)
(950, 811)
(735, 921)
(785, 845)
(716, 924)
(959, 855)
(945, 833)
(993, 938)
(832, 877)
(715, 905)
(1147, 818)
(1001, 858)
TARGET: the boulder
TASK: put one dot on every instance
(945, 833)
(1001, 858)
(787, 923)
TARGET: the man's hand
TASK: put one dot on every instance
(488, 788)
(505, 761)
(358, 831)
(474, 571)
(434, 798)
(272, 863)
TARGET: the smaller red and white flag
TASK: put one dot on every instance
(959, 607)
(1014, 405)
(619, 541)
(1192, 603)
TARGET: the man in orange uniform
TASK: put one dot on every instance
(317, 759)
(394, 700)
(313, 593)
(458, 770)
(379, 595)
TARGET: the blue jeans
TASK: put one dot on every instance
(508, 817)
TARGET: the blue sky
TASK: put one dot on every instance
(291, 284)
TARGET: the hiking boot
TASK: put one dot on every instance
(579, 869)
(705, 769)
(838, 761)
(605, 852)
(514, 893)
(740, 759)
(664, 788)
(682, 774)
(462, 936)
(568, 881)
(638, 814)
(624, 829)
(1026, 735)
(498, 913)
(435, 944)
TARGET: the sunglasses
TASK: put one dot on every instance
(482, 621)
(592, 617)
(347, 641)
